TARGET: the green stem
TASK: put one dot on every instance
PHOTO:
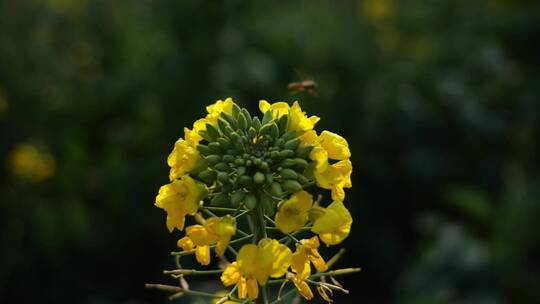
(285, 295)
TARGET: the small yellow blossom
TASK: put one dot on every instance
(335, 177)
(256, 263)
(303, 287)
(298, 120)
(307, 252)
(215, 230)
(217, 108)
(332, 224)
(29, 163)
(180, 198)
(293, 213)
(192, 136)
(335, 145)
(183, 159)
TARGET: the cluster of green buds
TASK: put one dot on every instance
(252, 161)
(250, 177)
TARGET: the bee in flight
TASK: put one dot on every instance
(304, 85)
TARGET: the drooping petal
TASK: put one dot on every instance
(293, 213)
(334, 225)
(231, 275)
(336, 146)
(202, 253)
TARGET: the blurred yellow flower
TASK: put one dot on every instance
(332, 224)
(183, 159)
(180, 198)
(293, 213)
(31, 164)
(246, 287)
(215, 230)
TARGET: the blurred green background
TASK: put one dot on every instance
(440, 102)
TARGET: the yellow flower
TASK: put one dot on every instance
(217, 108)
(305, 254)
(232, 275)
(303, 287)
(183, 159)
(332, 224)
(298, 120)
(255, 264)
(335, 145)
(336, 177)
(29, 163)
(293, 213)
(215, 230)
(180, 198)
(192, 136)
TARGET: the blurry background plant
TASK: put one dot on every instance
(439, 101)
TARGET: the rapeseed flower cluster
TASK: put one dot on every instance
(257, 173)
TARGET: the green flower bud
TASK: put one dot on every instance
(235, 110)
(302, 179)
(237, 197)
(292, 144)
(231, 120)
(223, 124)
(256, 123)
(274, 130)
(276, 189)
(246, 114)
(239, 161)
(242, 122)
(258, 178)
(222, 166)
(220, 199)
(289, 135)
(223, 142)
(223, 177)
(215, 147)
(287, 163)
(303, 151)
(301, 164)
(204, 149)
(269, 178)
(288, 174)
(251, 201)
(212, 131)
(207, 175)
(228, 158)
(213, 159)
(291, 186)
(283, 123)
(245, 180)
(267, 117)
(241, 170)
(205, 135)
(286, 153)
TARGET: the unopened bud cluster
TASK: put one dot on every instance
(252, 161)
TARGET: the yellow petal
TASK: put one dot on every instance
(185, 243)
(303, 288)
(281, 256)
(293, 213)
(247, 259)
(277, 109)
(336, 146)
(179, 198)
(183, 159)
(298, 119)
(252, 289)
(242, 288)
(231, 275)
(202, 253)
(334, 225)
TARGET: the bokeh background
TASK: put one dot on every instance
(440, 102)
